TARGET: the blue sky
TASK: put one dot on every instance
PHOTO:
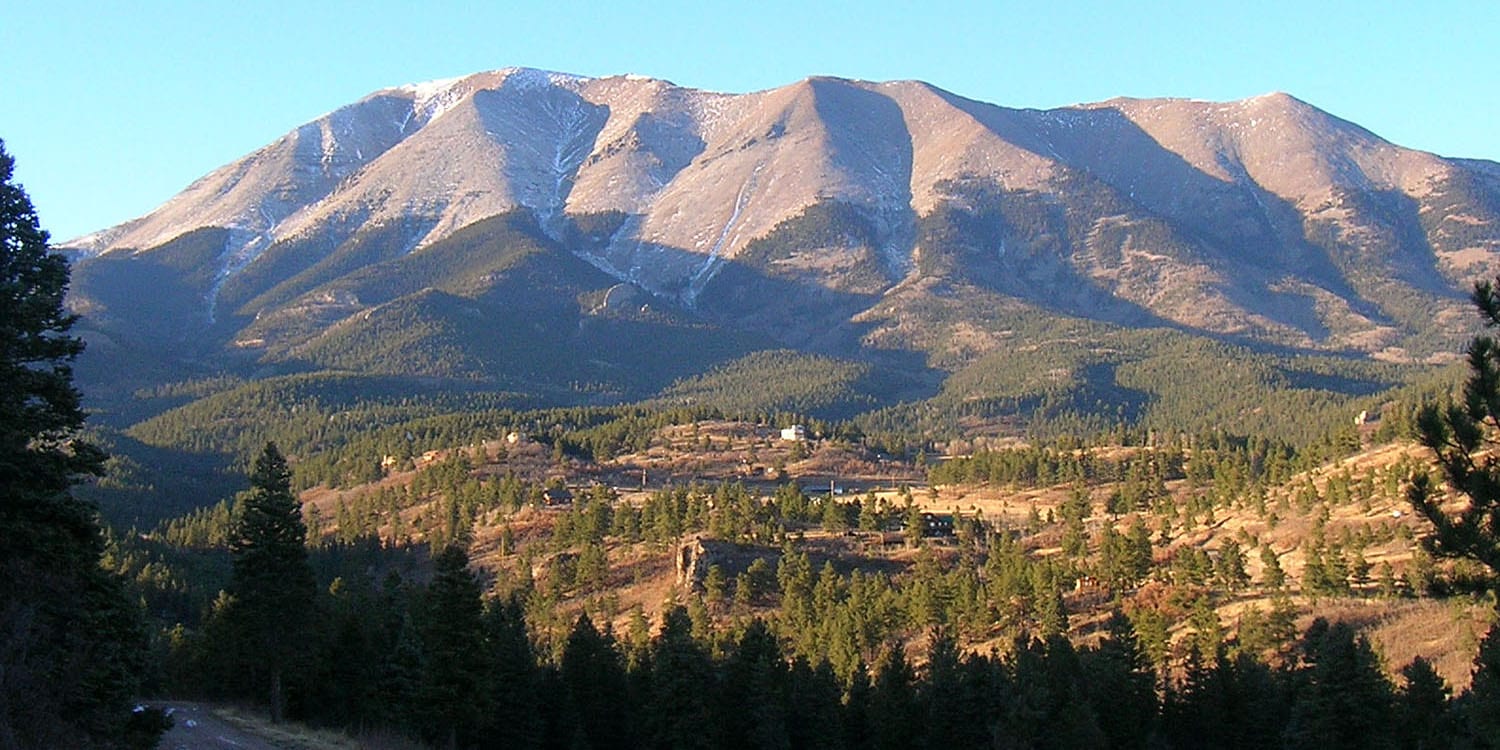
(110, 108)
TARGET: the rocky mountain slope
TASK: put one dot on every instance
(893, 221)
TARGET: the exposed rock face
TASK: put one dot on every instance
(698, 554)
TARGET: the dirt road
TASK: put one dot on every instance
(197, 728)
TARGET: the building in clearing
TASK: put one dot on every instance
(795, 432)
(937, 525)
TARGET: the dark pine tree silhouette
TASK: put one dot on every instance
(895, 718)
(71, 645)
(452, 697)
(1121, 685)
(1481, 703)
(272, 583)
(1422, 707)
(815, 714)
(514, 719)
(679, 714)
(1341, 699)
(593, 675)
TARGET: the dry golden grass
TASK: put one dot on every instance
(643, 576)
(1445, 633)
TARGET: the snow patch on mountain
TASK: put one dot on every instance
(690, 178)
(715, 254)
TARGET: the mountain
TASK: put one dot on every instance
(598, 239)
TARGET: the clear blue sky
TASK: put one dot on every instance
(110, 108)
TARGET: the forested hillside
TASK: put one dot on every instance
(519, 583)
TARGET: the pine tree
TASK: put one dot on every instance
(1272, 576)
(1342, 699)
(1051, 614)
(452, 694)
(1481, 703)
(1121, 685)
(1463, 438)
(815, 712)
(678, 714)
(509, 662)
(272, 583)
(753, 702)
(895, 718)
(401, 677)
(71, 644)
(955, 710)
(1422, 707)
(594, 676)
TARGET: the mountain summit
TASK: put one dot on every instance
(844, 217)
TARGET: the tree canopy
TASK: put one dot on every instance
(71, 645)
(1463, 436)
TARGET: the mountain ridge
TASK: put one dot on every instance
(889, 222)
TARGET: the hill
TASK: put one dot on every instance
(1165, 533)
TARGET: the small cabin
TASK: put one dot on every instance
(937, 524)
(794, 433)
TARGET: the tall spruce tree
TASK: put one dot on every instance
(453, 695)
(71, 645)
(272, 584)
(753, 705)
(594, 677)
(1463, 436)
(678, 710)
(1340, 697)
(1422, 717)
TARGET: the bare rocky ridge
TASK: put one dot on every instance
(1265, 220)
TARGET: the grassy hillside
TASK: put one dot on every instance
(1175, 537)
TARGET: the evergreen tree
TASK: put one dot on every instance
(401, 678)
(71, 644)
(272, 583)
(451, 699)
(752, 703)
(857, 719)
(1463, 438)
(914, 525)
(1341, 700)
(681, 676)
(1051, 612)
(1121, 685)
(894, 715)
(594, 677)
(1071, 721)
(1195, 713)
(1224, 703)
(815, 715)
(509, 664)
(1481, 704)
(1230, 567)
(1422, 707)
(955, 710)
(1272, 576)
